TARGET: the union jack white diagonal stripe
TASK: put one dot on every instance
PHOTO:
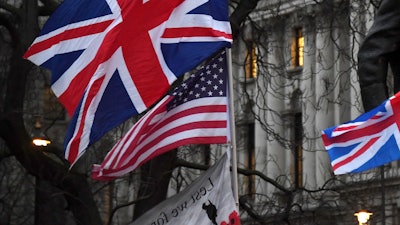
(112, 59)
(196, 113)
(369, 141)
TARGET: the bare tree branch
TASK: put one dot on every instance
(9, 8)
(48, 7)
(243, 9)
(6, 21)
(245, 172)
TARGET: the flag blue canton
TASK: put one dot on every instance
(208, 81)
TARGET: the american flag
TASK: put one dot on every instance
(112, 59)
(195, 113)
(369, 141)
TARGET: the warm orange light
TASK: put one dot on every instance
(41, 141)
(297, 48)
(363, 216)
(38, 137)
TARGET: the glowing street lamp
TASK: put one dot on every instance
(40, 141)
(363, 216)
(38, 138)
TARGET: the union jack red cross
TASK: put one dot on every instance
(113, 59)
(369, 141)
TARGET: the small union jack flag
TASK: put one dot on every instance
(112, 59)
(369, 141)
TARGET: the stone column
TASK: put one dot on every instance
(308, 109)
(324, 87)
(274, 93)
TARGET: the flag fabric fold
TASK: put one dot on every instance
(369, 141)
(195, 113)
(112, 59)
(208, 200)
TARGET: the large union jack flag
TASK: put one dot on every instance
(195, 113)
(369, 141)
(112, 59)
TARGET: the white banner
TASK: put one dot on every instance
(207, 201)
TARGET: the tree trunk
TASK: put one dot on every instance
(155, 177)
(238, 16)
(49, 204)
(75, 187)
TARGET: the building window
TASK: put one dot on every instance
(298, 150)
(251, 157)
(296, 122)
(297, 48)
(251, 60)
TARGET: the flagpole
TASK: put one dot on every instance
(232, 128)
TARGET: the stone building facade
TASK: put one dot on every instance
(295, 65)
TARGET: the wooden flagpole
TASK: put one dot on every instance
(232, 128)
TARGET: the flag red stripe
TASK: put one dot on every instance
(326, 140)
(138, 128)
(107, 174)
(149, 134)
(133, 158)
(345, 128)
(366, 131)
(76, 140)
(118, 162)
(194, 32)
(66, 35)
(191, 111)
(357, 154)
(71, 97)
(179, 129)
(376, 117)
